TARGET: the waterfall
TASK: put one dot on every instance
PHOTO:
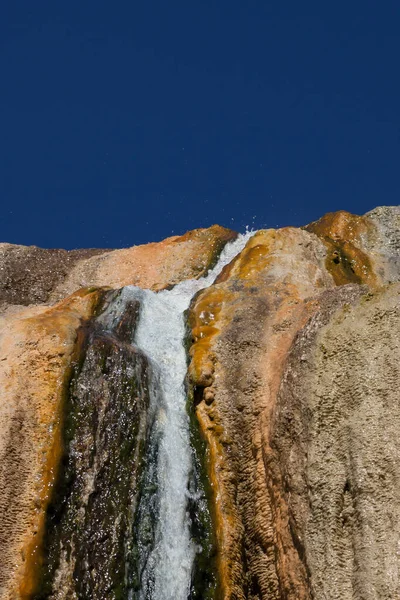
(165, 571)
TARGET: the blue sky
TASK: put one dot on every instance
(126, 122)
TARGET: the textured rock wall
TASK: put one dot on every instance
(293, 369)
(31, 275)
(336, 436)
(302, 451)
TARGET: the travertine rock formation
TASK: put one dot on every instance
(294, 370)
(298, 461)
(335, 434)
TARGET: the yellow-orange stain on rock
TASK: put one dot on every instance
(343, 233)
(39, 345)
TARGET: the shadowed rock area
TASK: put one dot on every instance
(293, 373)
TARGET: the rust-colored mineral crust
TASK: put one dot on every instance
(245, 329)
(343, 234)
(362, 249)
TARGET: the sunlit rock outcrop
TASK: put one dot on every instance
(31, 275)
(335, 435)
(246, 329)
(293, 364)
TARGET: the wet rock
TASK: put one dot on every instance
(90, 521)
(38, 346)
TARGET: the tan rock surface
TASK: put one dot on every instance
(243, 327)
(336, 436)
(383, 245)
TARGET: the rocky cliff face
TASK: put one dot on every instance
(41, 349)
(294, 363)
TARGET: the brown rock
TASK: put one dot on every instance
(29, 274)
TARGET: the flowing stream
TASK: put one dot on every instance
(165, 567)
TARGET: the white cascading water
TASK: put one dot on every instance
(160, 335)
